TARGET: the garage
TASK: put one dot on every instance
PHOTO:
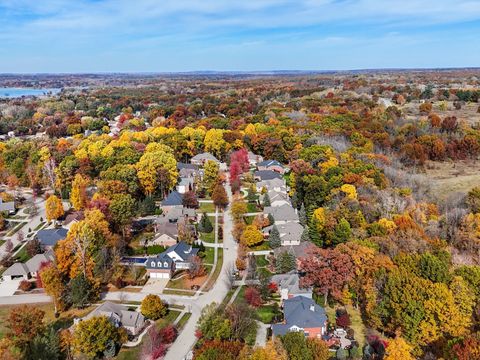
(159, 275)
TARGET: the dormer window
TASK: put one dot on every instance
(159, 264)
(165, 264)
(153, 264)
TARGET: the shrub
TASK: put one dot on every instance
(25, 285)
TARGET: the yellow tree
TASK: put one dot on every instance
(214, 142)
(78, 195)
(251, 236)
(350, 191)
(210, 175)
(53, 285)
(399, 349)
(53, 208)
(157, 170)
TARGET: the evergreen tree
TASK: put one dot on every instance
(271, 220)
(305, 234)
(266, 200)
(302, 216)
(205, 225)
(80, 291)
(252, 194)
(342, 232)
(285, 262)
(274, 238)
(314, 235)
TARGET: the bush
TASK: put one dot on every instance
(25, 285)
(155, 249)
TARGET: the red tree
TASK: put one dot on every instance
(190, 200)
(252, 296)
(328, 270)
(43, 265)
(168, 334)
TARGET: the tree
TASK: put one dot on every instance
(93, 336)
(433, 268)
(285, 262)
(168, 334)
(295, 344)
(219, 196)
(45, 346)
(33, 247)
(251, 236)
(266, 200)
(318, 348)
(274, 238)
(473, 199)
(53, 208)
(196, 267)
(78, 195)
(190, 200)
(80, 291)
(302, 216)
(219, 350)
(342, 232)
(273, 350)
(152, 347)
(122, 208)
(153, 307)
(328, 270)
(305, 235)
(23, 324)
(53, 285)
(397, 349)
(210, 175)
(238, 209)
(252, 296)
(205, 225)
(213, 324)
(157, 171)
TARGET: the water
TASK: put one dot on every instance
(19, 92)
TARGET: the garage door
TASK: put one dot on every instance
(159, 276)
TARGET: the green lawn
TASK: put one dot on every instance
(209, 256)
(208, 237)
(181, 323)
(22, 255)
(16, 228)
(206, 207)
(168, 319)
(252, 207)
(261, 261)
(248, 219)
(267, 313)
(216, 272)
(263, 246)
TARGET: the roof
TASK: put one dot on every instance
(267, 175)
(17, 269)
(118, 312)
(293, 229)
(176, 213)
(268, 163)
(169, 228)
(298, 250)
(204, 157)
(49, 237)
(185, 181)
(301, 312)
(35, 262)
(7, 206)
(290, 281)
(160, 261)
(271, 184)
(75, 216)
(174, 198)
(181, 166)
(183, 250)
(282, 213)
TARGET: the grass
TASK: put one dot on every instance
(263, 246)
(2, 242)
(181, 323)
(261, 261)
(168, 319)
(252, 207)
(207, 207)
(209, 256)
(22, 255)
(178, 292)
(16, 228)
(216, 272)
(267, 313)
(208, 237)
(357, 325)
(240, 296)
(39, 226)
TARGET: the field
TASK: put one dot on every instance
(451, 177)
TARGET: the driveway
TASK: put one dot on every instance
(8, 287)
(154, 286)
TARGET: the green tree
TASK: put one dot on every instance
(266, 200)
(274, 238)
(305, 234)
(296, 346)
(285, 262)
(302, 216)
(342, 232)
(213, 324)
(153, 307)
(122, 207)
(433, 268)
(80, 291)
(205, 225)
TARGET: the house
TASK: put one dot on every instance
(290, 233)
(119, 315)
(173, 199)
(200, 159)
(254, 159)
(176, 213)
(166, 234)
(277, 185)
(185, 184)
(262, 175)
(299, 251)
(49, 237)
(277, 198)
(187, 170)
(302, 314)
(8, 207)
(272, 165)
(289, 286)
(176, 257)
(73, 217)
(29, 269)
(282, 214)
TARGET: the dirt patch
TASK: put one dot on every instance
(450, 177)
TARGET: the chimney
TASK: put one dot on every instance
(312, 307)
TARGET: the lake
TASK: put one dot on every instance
(19, 92)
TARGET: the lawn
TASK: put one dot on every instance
(263, 246)
(208, 237)
(216, 272)
(267, 313)
(181, 323)
(357, 325)
(261, 261)
(252, 207)
(22, 255)
(168, 319)
(249, 219)
(209, 256)
(206, 207)
(16, 228)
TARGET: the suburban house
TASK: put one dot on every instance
(254, 159)
(176, 213)
(119, 315)
(166, 234)
(289, 286)
(72, 218)
(277, 185)
(299, 251)
(187, 170)
(24, 271)
(49, 237)
(200, 159)
(290, 232)
(282, 214)
(176, 257)
(8, 207)
(273, 165)
(172, 200)
(277, 198)
(185, 184)
(302, 314)
(261, 175)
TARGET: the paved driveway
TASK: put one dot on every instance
(8, 287)
(154, 286)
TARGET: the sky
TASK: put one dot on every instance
(58, 36)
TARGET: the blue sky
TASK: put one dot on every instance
(236, 35)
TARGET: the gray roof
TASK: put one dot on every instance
(185, 181)
(161, 261)
(282, 213)
(183, 250)
(204, 157)
(267, 174)
(175, 213)
(298, 250)
(302, 312)
(7, 206)
(17, 269)
(267, 163)
(181, 166)
(118, 313)
(290, 231)
(35, 262)
(49, 237)
(174, 198)
(290, 281)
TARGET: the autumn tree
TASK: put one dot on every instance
(53, 208)
(327, 270)
(190, 200)
(252, 296)
(53, 284)
(251, 236)
(196, 267)
(78, 195)
(122, 208)
(153, 307)
(210, 175)
(23, 324)
(157, 171)
(219, 196)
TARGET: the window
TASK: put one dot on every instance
(153, 264)
(165, 264)
(159, 264)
